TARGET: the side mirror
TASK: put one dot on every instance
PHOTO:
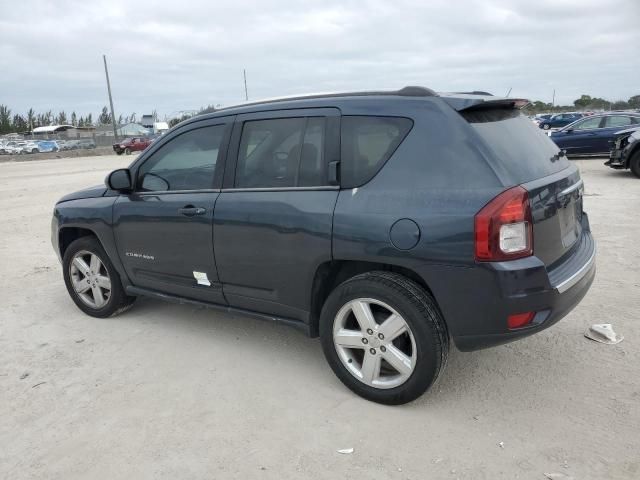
(120, 180)
(569, 130)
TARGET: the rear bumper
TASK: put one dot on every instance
(476, 302)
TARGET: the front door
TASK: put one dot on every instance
(273, 220)
(164, 229)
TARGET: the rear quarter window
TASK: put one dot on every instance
(366, 143)
(521, 148)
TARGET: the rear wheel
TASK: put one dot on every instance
(127, 151)
(384, 337)
(92, 281)
(634, 164)
(546, 126)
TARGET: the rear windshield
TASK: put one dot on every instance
(523, 149)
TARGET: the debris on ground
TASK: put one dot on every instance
(501, 444)
(24, 375)
(603, 333)
(80, 341)
(38, 384)
(557, 476)
(346, 451)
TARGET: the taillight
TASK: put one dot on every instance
(503, 228)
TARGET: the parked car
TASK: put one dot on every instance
(559, 120)
(135, 144)
(386, 223)
(29, 147)
(626, 151)
(11, 147)
(48, 146)
(593, 135)
(540, 117)
(86, 143)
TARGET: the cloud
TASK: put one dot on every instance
(172, 56)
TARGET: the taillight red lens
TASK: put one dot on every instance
(503, 228)
(520, 320)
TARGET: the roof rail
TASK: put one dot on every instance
(476, 92)
(408, 91)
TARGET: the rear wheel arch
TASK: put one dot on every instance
(330, 274)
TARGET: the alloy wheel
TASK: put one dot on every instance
(90, 279)
(374, 343)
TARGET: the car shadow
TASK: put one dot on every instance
(529, 366)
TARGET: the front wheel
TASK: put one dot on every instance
(127, 151)
(92, 281)
(384, 337)
(546, 127)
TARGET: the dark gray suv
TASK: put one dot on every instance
(387, 223)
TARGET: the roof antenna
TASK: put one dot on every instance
(246, 94)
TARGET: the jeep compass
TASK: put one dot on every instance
(390, 224)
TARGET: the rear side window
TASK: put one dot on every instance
(366, 144)
(617, 121)
(522, 149)
(283, 152)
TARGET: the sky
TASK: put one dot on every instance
(173, 56)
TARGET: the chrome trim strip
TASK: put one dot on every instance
(571, 189)
(579, 275)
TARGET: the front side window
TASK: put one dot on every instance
(283, 152)
(588, 124)
(617, 121)
(186, 162)
(366, 144)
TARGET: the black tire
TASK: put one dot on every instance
(546, 126)
(118, 152)
(420, 312)
(634, 164)
(127, 151)
(118, 301)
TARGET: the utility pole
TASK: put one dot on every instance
(553, 99)
(113, 115)
(246, 94)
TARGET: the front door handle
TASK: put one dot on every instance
(191, 211)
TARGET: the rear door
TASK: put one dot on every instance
(273, 219)
(164, 229)
(525, 156)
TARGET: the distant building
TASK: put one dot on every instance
(126, 130)
(147, 121)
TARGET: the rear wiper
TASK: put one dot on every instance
(558, 156)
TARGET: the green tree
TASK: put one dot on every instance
(105, 117)
(74, 119)
(20, 123)
(5, 119)
(31, 119)
(583, 102)
(88, 122)
(634, 102)
(61, 118)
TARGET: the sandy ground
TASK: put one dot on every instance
(168, 391)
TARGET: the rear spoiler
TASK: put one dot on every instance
(463, 101)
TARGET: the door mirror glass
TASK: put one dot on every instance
(119, 180)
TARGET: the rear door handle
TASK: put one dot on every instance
(191, 211)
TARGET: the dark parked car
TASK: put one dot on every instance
(593, 135)
(626, 151)
(387, 223)
(559, 120)
(135, 144)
